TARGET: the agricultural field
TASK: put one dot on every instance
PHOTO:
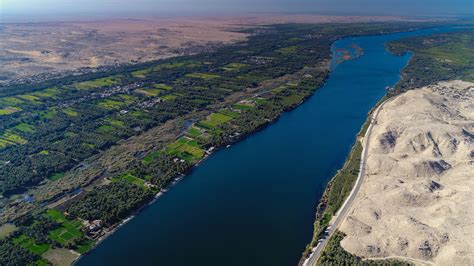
(185, 148)
(214, 120)
(115, 123)
(28, 97)
(229, 113)
(70, 112)
(47, 93)
(110, 104)
(8, 111)
(12, 138)
(162, 86)
(170, 97)
(97, 83)
(142, 73)
(105, 129)
(25, 128)
(149, 92)
(243, 106)
(194, 132)
(288, 50)
(291, 100)
(129, 178)
(234, 66)
(56, 176)
(30, 244)
(150, 157)
(48, 114)
(7, 229)
(203, 76)
(69, 231)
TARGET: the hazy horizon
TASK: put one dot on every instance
(38, 10)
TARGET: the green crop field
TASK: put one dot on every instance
(142, 73)
(203, 76)
(194, 132)
(29, 244)
(9, 110)
(185, 148)
(229, 113)
(47, 93)
(292, 99)
(169, 97)
(70, 112)
(97, 83)
(68, 232)
(110, 104)
(11, 101)
(150, 157)
(243, 107)
(105, 129)
(48, 114)
(12, 138)
(214, 120)
(288, 50)
(162, 86)
(149, 92)
(25, 128)
(234, 66)
(129, 178)
(56, 176)
(28, 97)
(56, 215)
(115, 123)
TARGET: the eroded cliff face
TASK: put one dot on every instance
(417, 198)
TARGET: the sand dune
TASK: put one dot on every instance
(417, 199)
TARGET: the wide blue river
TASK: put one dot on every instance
(254, 203)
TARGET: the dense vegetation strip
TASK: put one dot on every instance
(435, 58)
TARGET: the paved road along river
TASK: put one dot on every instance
(254, 203)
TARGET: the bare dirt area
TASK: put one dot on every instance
(60, 256)
(30, 49)
(416, 201)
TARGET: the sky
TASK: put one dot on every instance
(59, 9)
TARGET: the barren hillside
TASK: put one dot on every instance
(417, 199)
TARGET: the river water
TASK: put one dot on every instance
(254, 203)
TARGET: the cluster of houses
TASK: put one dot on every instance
(119, 89)
(93, 228)
(150, 103)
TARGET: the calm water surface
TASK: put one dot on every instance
(254, 203)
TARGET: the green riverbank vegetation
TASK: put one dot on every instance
(436, 58)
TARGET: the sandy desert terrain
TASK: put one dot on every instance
(417, 199)
(47, 47)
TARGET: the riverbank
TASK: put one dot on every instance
(333, 207)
